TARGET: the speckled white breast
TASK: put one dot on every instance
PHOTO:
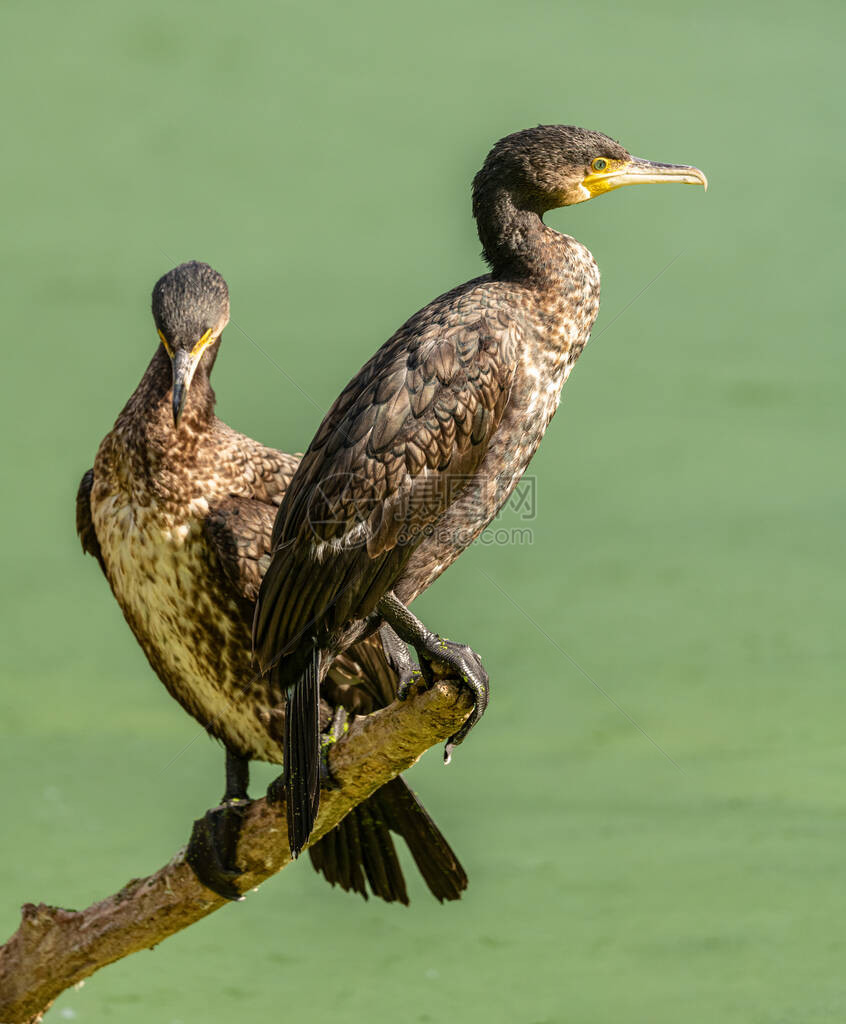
(161, 574)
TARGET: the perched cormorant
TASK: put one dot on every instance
(178, 510)
(429, 439)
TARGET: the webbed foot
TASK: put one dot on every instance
(416, 679)
(214, 838)
(213, 845)
(441, 657)
(434, 651)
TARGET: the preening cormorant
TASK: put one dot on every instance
(428, 440)
(178, 510)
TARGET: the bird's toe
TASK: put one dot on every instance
(212, 848)
(411, 679)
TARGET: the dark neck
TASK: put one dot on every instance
(515, 241)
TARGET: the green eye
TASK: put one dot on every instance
(599, 164)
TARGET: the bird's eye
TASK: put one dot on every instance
(599, 164)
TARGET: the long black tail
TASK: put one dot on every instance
(361, 848)
(302, 754)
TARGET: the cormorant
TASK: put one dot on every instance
(428, 440)
(178, 510)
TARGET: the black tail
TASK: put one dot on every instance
(361, 848)
(302, 754)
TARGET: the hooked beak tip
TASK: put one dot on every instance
(178, 404)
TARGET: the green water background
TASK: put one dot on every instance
(652, 813)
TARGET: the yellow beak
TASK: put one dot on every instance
(184, 364)
(641, 172)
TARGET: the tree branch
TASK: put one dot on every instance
(55, 948)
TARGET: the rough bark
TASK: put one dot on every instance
(55, 948)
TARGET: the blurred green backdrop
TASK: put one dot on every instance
(687, 550)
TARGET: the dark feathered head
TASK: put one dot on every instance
(190, 308)
(559, 165)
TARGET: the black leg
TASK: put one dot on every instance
(214, 838)
(399, 659)
(237, 777)
(433, 649)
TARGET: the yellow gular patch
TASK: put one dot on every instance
(197, 350)
(166, 344)
(600, 179)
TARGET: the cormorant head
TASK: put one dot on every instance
(559, 165)
(191, 308)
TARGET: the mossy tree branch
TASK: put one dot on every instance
(54, 948)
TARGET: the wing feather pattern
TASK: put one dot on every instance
(85, 523)
(391, 455)
(238, 529)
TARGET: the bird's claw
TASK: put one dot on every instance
(445, 658)
(463, 732)
(211, 849)
(410, 680)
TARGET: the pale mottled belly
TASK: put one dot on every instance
(195, 636)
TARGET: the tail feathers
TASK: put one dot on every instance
(379, 855)
(338, 858)
(360, 851)
(361, 847)
(302, 754)
(435, 859)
